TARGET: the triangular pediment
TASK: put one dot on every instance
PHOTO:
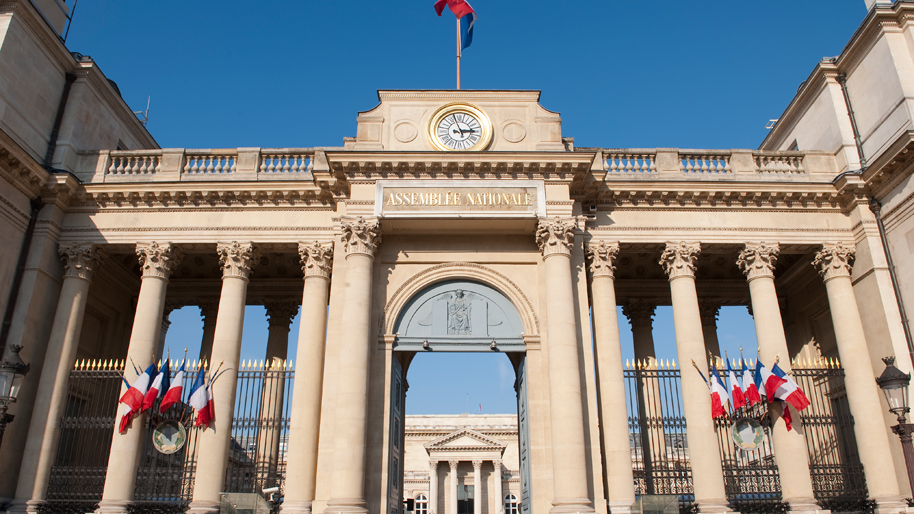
(465, 439)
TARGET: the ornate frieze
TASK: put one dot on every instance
(601, 255)
(361, 235)
(639, 312)
(758, 260)
(678, 259)
(158, 259)
(79, 259)
(834, 260)
(708, 310)
(236, 259)
(555, 236)
(280, 312)
(316, 259)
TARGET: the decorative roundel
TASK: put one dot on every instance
(460, 127)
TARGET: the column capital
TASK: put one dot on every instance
(639, 312)
(708, 310)
(158, 259)
(555, 236)
(453, 464)
(602, 255)
(497, 463)
(208, 307)
(477, 464)
(79, 259)
(361, 235)
(433, 463)
(678, 259)
(316, 259)
(281, 312)
(834, 260)
(758, 260)
(236, 259)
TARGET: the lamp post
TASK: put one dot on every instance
(894, 383)
(12, 373)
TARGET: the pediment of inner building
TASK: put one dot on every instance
(465, 440)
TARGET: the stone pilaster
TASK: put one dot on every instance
(757, 261)
(678, 261)
(301, 464)
(236, 259)
(80, 263)
(555, 239)
(360, 238)
(157, 262)
(610, 381)
(834, 263)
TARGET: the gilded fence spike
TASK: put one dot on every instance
(261, 365)
(674, 364)
(291, 366)
(627, 366)
(76, 365)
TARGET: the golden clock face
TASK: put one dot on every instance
(460, 127)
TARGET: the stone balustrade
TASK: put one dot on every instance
(709, 164)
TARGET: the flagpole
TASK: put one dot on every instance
(458, 53)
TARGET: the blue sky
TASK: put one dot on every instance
(682, 74)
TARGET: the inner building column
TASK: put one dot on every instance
(555, 239)
(432, 487)
(157, 262)
(499, 494)
(617, 468)
(454, 485)
(757, 262)
(477, 486)
(834, 262)
(213, 446)
(361, 237)
(678, 261)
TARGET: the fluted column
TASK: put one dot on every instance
(157, 262)
(433, 487)
(301, 461)
(834, 262)
(80, 263)
(555, 239)
(360, 238)
(499, 494)
(709, 309)
(617, 468)
(454, 485)
(678, 261)
(213, 444)
(477, 486)
(757, 263)
(208, 309)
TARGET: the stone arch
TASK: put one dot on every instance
(457, 271)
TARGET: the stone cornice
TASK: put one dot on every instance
(435, 94)
(205, 195)
(719, 194)
(19, 169)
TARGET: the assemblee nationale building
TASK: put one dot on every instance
(454, 221)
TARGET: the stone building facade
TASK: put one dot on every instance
(455, 221)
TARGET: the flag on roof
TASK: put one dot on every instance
(159, 385)
(465, 13)
(201, 398)
(173, 393)
(750, 391)
(739, 400)
(719, 397)
(132, 401)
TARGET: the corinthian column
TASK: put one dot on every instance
(477, 486)
(80, 263)
(157, 262)
(301, 462)
(709, 309)
(213, 446)
(360, 238)
(454, 485)
(433, 487)
(834, 262)
(678, 261)
(757, 262)
(610, 379)
(209, 307)
(555, 239)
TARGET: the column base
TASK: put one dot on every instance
(24, 506)
(296, 507)
(346, 506)
(619, 507)
(203, 507)
(571, 506)
(806, 505)
(890, 504)
(112, 507)
(713, 506)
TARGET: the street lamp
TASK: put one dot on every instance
(12, 373)
(894, 383)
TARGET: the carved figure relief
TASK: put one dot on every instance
(459, 310)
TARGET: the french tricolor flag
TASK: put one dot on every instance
(173, 393)
(719, 397)
(464, 13)
(785, 389)
(739, 400)
(159, 385)
(750, 391)
(132, 401)
(201, 398)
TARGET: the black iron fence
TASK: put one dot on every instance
(165, 480)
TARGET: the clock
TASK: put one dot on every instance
(460, 127)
